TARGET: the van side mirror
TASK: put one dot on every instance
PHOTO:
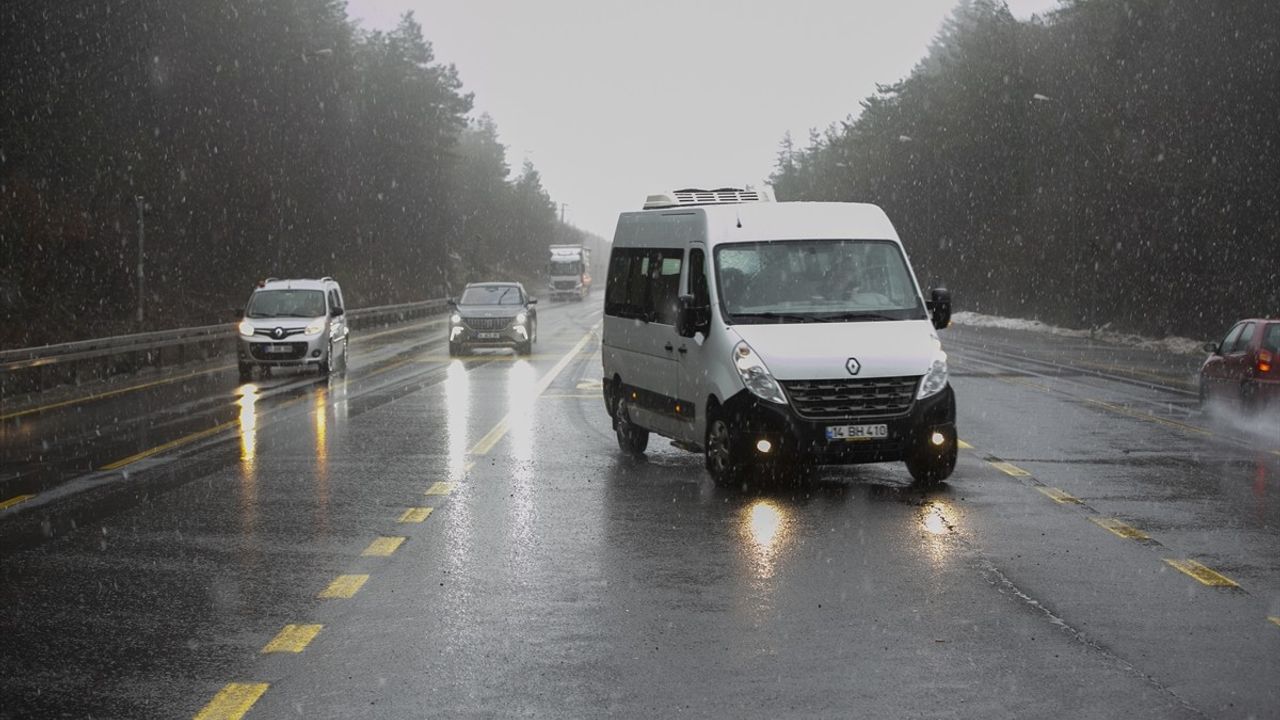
(533, 301)
(1212, 348)
(239, 313)
(691, 319)
(940, 307)
(337, 312)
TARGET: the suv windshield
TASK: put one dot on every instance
(815, 281)
(491, 295)
(286, 303)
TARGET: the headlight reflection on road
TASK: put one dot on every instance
(457, 404)
(321, 413)
(936, 519)
(522, 379)
(765, 526)
(248, 451)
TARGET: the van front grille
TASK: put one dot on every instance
(855, 398)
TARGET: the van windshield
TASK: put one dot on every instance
(815, 281)
(286, 303)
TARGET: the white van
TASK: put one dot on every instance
(772, 333)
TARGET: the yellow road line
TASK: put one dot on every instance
(1149, 417)
(111, 393)
(1120, 529)
(383, 546)
(232, 701)
(415, 514)
(171, 445)
(344, 586)
(1131, 373)
(439, 488)
(1202, 574)
(1274, 619)
(1010, 469)
(579, 396)
(1059, 496)
(292, 639)
(14, 501)
(491, 438)
(963, 445)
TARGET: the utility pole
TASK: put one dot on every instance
(562, 207)
(142, 246)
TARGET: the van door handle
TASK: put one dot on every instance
(669, 347)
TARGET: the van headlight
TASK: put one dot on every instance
(246, 328)
(756, 376)
(313, 329)
(934, 380)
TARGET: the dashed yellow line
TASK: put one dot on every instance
(292, 639)
(1010, 469)
(185, 440)
(1059, 496)
(383, 547)
(579, 396)
(415, 514)
(343, 587)
(1275, 619)
(439, 488)
(1149, 417)
(1120, 529)
(963, 445)
(16, 499)
(491, 438)
(232, 701)
(1202, 574)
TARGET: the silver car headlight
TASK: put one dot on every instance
(246, 328)
(935, 380)
(756, 376)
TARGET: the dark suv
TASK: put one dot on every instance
(493, 314)
(1242, 369)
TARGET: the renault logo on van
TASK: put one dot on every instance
(852, 365)
(277, 333)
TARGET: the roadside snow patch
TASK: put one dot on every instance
(1173, 344)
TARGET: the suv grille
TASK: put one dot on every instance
(853, 398)
(487, 323)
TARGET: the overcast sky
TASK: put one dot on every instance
(614, 100)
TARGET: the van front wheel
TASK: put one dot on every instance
(930, 468)
(632, 438)
(723, 457)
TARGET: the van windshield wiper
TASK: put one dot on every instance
(777, 317)
(856, 317)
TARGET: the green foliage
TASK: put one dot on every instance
(267, 138)
(1115, 162)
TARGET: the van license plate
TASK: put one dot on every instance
(857, 432)
(279, 349)
(487, 336)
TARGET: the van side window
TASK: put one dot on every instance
(334, 302)
(665, 285)
(627, 291)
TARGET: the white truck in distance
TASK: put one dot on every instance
(570, 271)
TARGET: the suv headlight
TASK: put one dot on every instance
(521, 317)
(756, 376)
(934, 380)
(246, 328)
(455, 318)
(313, 329)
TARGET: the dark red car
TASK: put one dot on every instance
(1244, 369)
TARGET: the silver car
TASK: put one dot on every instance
(493, 314)
(293, 323)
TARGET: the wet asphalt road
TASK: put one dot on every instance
(436, 538)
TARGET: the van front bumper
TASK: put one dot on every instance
(792, 437)
(294, 351)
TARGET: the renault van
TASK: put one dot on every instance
(761, 333)
(293, 323)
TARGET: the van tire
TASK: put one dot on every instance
(723, 457)
(929, 468)
(632, 439)
(246, 372)
(325, 366)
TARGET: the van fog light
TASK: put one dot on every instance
(315, 353)
(764, 446)
(938, 438)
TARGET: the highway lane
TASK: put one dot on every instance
(482, 550)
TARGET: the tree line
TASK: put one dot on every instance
(1115, 162)
(255, 139)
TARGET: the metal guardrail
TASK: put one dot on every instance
(30, 369)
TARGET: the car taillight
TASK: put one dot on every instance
(1264, 361)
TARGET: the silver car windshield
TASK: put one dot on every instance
(815, 281)
(286, 303)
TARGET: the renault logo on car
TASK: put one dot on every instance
(852, 365)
